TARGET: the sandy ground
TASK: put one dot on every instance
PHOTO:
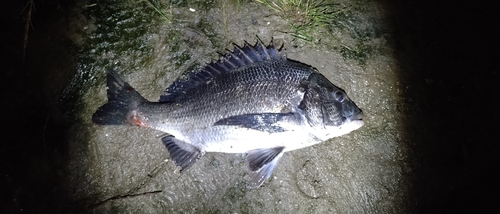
(128, 169)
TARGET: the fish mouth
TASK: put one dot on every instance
(356, 120)
(357, 116)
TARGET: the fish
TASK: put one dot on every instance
(253, 100)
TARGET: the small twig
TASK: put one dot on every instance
(131, 193)
(124, 196)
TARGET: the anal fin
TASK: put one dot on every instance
(183, 154)
(261, 163)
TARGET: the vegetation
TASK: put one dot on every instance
(27, 11)
(158, 7)
(304, 15)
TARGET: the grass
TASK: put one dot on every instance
(304, 15)
(28, 10)
(158, 7)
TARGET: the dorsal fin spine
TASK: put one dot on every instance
(263, 50)
(239, 57)
(210, 68)
(245, 57)
(230, 64)
(233, 60)
(236, 59)
(222, 64)
(255, 53)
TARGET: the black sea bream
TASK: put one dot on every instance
(254, 100)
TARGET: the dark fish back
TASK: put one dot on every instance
(252, 79)
(247, 55)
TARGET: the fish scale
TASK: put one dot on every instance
(254, 100)
(231, 90)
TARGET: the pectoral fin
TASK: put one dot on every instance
(268, 122)
(183, 154)
(261, 163)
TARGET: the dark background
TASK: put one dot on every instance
(446, 51)
(449, 50)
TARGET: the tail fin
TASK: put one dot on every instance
(122, 99)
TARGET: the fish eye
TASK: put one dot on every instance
(339, 96)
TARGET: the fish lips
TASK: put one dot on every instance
(357, 116)
(355, 121)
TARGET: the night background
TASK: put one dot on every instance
(449, 49)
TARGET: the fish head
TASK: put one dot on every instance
(328, 109)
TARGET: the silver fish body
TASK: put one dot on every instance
(253, 101)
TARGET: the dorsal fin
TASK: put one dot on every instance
(239, 57)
